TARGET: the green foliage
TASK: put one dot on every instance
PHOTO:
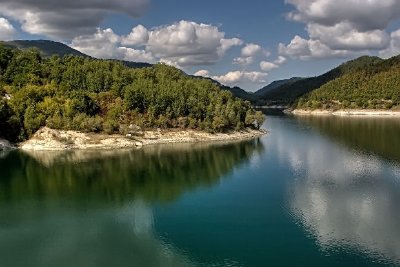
(376, 86)
(90, 95)
(293, 89)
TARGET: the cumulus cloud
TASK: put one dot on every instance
(394, 47)
(364, 15)
(344, 36)
(106, 44)
(180, 44)
(7, 31)
(203, 73)
(309, 49)
(235, 77)
(268, 66)
(66, 19)
(188, 43)
(138, 36)
(338, 28)
(249, 54)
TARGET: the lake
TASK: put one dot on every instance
(315, 191)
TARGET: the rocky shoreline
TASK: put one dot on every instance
(47, 139)
(347, 112)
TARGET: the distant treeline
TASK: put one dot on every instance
(92, 95)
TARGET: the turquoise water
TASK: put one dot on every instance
(313, 192)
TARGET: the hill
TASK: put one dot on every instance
(46, 48)
(289, 92)
(274, 85)
(372, 86)
(92, 95)
(49, 48)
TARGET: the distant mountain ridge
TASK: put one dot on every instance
(48, 48)
(370, 86)
(289, 92)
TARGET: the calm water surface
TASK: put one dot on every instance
(316, 191)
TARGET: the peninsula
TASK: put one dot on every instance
(80, 102)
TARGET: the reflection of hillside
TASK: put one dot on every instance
(159, 173)
(116, 237)
(373, 135)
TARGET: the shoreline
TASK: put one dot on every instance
(345, 112)
(47, 139)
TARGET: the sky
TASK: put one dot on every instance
(239, 43)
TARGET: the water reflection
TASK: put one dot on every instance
(159, 173)
(345, 198)
(373, 135)
(94, 208)
(118, 237)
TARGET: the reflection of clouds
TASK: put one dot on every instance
(113, 238)
(343, 198)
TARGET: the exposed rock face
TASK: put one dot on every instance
(50, 139)
(5, 145)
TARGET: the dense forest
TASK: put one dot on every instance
(91, 95)
(291, 90)
(374, 86)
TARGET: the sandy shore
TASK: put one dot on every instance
(348, 112)
(50, 139)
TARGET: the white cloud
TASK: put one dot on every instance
(105, 44)
(344, 36)
(251, 50)
(394, 47)
(7, 31)
(102, 44)
(235, 77)
(249, 53)
(203, 73)
(280, 60)
(138, 36)
(309, 49)
(365, 15)
(268, 66)
(181, 44)
(136, 55)
(188, 43)
(339, 28)
(66, 19)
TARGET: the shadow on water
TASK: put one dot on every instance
(94, 208)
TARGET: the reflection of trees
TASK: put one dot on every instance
(117, 237)
(159, 173)
(374, 135)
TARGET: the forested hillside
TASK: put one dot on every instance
(91, 95)
(291, 91)
(374, 86)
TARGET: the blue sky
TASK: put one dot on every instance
(245, 43)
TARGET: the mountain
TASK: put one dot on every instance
(46, 48)
(275, 84)
(289, 92)
(96, 95)
(373, 86)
